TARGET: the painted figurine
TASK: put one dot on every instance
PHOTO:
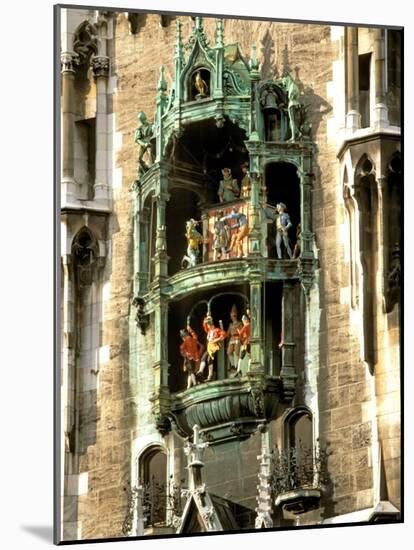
(191, 350)
(200, 85)
(246, 181)
(244, 334)
(236, 243)
(221, 238)
(215, 337)
(283, 224)
(228, 188)
(293, 93)
(143, 136)
(194, 239)
(233, 346)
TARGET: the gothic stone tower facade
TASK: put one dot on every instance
(307, 430)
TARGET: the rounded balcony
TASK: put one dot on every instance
(227, 409)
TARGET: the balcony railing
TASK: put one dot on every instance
(299, 475)
(155, 504)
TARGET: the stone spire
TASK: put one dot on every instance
(194, 450)
(264, 497)
(178, 41)
(254, 62)
(198, 32)
(219, 34)
(162, 83)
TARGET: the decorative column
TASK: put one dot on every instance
(255, 235)
(100, 66)
(68, 358)
(254, 104)
(160, 256)
(287, 345)
(161, 403)
(264, 498)
(306, 215)
(141, 249)
(353, 117)
(218, 84)
(68, 63)
(204, 224)
(380, 109)
(194, 450)
(141, 220)
(256, 363)
(161, 400)
(161, 103)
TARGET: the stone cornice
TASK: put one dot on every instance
(360, 138)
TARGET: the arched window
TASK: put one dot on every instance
(352, 243)
(392, 236)
(299, 428)
(298, 463)
(283, 186)
(366, 196)
(85, 45)
(154, 485)
(85, 253)
(153, 465)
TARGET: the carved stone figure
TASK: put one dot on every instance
(246, 183)
(215, 337)
(191, 350)
(236, 243)
(221, 239)
(143, 136)
(233, 346)
(228, 188)
(194, 239)
(293, 93)
(283, 224)
(141, 318)
(200, 86)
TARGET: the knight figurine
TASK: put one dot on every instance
(215, 337)
(283, 224)
(143, 136)
(191, 350)
(233, 346)
(244, 334)
(228, 188)
(194, 239)
(240, 230)
(246, 183)
(221, 238)
(293, 93)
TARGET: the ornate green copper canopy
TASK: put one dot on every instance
(217, 110)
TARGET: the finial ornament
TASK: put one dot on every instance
(219, 33)
(194, 450)
(162, 83)
(178, 40)
(254, 63)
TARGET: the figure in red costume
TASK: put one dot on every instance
(244, 334)
(191, 349)
(215, 337)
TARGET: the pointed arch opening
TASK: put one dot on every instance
(283, 186)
